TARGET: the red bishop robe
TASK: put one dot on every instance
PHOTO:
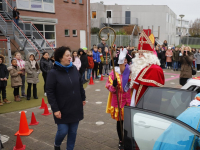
(151, 75)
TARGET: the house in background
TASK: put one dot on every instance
(182, 30)
(160, 18)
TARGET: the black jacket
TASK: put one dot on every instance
(84, 61)
(3, 74)
(65, 93)
(16, 14)
(45, 65)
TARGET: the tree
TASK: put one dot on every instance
(95, 30)
(129, 30)
(195, 28)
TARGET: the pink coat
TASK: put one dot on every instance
(169, 55)
(124, 97)
(77, 63)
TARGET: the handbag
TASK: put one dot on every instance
(193, 71)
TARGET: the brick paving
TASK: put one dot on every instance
(90, 136)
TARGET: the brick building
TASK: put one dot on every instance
(61, 22)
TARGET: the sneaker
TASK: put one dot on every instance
(176, 69)
(99, 76)
(103, 75)
(23, 95)
(45, 94)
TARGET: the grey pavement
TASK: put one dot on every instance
(90, 136)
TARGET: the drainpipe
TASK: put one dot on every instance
(88, 25)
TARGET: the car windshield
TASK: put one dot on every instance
(168, 101)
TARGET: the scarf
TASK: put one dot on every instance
(65, 67)
(33, 64)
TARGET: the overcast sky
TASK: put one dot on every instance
(190, 8)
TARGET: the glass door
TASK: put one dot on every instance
(127, 17)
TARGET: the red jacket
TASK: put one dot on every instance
(90, 62)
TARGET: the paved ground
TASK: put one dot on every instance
(90, 136)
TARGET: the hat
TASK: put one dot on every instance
(146, 41)
(84, 48)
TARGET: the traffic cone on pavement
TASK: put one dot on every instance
(23, 126)
(19, 145)
(42, 104)
(46, 111)
(33, 120)
(101, 78)
(91, 81)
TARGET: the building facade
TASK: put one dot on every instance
(61, 22)
(182, 27)
(160, 18)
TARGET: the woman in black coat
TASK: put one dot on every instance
(66, 96)
(45, 66)
(84, 63)
(3, 80)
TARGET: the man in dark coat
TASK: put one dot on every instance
(3, 80)
(16, 15)
(102, 45)
(84, 63)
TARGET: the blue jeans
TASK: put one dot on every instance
(83, 76)
(70, 130)
(175, 65)
(89, 73)
(16, 21)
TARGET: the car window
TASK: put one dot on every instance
(167, 101)
(155, 132)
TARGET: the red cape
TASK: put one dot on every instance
(149, 76)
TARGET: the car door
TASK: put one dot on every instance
(148, 130)
(168, 101)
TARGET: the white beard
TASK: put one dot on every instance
(140, 63)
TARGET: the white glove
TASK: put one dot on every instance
(122, 56)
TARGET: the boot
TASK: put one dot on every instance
(1, 104)
(17, 99)
(56, 148)
(6, 101)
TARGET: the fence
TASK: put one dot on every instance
(193, 42)
(121, 40)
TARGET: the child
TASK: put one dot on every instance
(106, 62)
(16, 80)
(76, 60)
(96, 58)
(3, 80)
(84, 63)
(21, 65)
(32, 70)
(101, 63)
(169, 55)
(90, 64)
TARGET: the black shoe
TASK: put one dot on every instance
(56, 148)
(176, 69)
(35, 97)
(28, 98)
(121, 146)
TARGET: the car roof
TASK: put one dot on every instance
(194, 81)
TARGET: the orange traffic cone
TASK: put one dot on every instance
(46, 111)
(91, 81)
(23, 126)
(101, 78)
(19, 145)
(33, 120)
(42, 104)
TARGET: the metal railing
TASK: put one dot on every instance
(29, 28)
(3, 26)
(120, 20)
(20, 37)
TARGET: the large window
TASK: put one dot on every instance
(109, 15)
(48, 31)
(36, 5)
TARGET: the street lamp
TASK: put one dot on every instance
(181, 20)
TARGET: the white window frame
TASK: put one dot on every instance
(68, 33)
(44, 31)
(91, 14)
(42, 3)
(74, 35)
